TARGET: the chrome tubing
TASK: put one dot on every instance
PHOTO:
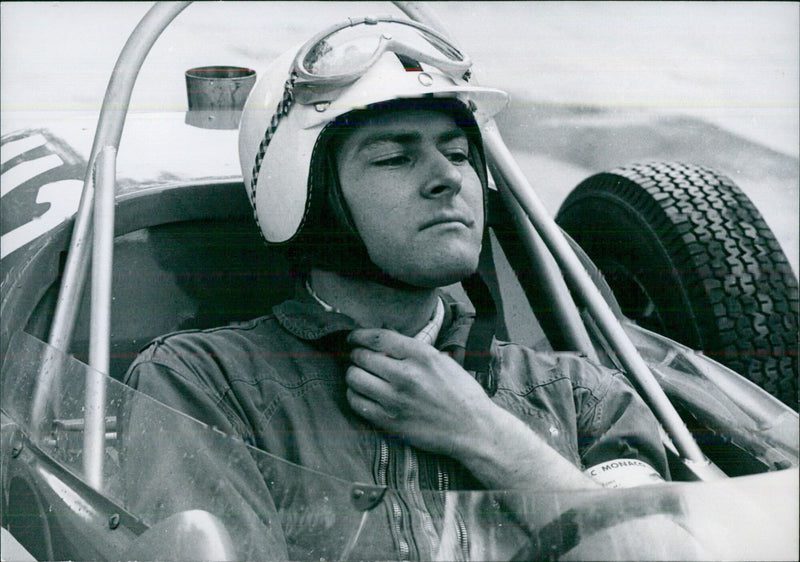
(422, 13)
(108, 134)
(586, 290)
(564, 307)
(99, 337)
(554, 286)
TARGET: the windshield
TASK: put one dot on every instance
(159, 462)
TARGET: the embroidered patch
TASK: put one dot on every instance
(623, 473)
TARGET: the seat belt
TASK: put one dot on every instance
(483, 290)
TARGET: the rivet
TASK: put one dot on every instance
(553, 430)
(425, 79)
(365, 497)
(113, 521)
(322, 106)
(387, 36)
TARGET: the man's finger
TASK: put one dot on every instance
(375, 362)
(389, 342)
(363, 406)
(370, 407)
(367, 384)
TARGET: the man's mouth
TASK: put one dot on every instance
(448, 218)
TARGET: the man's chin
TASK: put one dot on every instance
(441, 276)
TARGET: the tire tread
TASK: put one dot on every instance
(741, 291)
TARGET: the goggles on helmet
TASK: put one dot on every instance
(340, 55)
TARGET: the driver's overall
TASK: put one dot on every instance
(278, 383)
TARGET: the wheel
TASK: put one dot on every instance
(689, 256)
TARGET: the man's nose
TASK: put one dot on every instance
(444, 177)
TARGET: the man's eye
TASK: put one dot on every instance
(391, 161)
(458, 157)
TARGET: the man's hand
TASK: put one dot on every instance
(410, 389)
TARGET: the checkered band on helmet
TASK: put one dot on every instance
(281, 110)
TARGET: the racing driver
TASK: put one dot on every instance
(363, 161)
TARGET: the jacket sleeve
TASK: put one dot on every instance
(172, 463)
(617, 431)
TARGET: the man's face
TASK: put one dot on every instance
(414, 197)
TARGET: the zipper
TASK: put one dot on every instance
(383, 461)
(396, 510)
(411, 485)
(412, 470)
(461, 527)
(444, 480)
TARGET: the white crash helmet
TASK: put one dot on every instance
(350, 66)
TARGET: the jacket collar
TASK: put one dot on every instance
(306, 319)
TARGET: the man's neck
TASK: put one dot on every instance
(373, 305)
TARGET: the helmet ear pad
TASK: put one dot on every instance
(329, 239)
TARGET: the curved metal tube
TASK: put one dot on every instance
(421, 12)
(588, 292)
(107, 135)
(563, 306)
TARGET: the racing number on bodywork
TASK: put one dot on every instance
(41, 179)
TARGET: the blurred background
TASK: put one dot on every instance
(593, 85)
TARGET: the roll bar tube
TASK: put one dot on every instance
(581, 283)
(106, 141)
(553, 285)
(99, 336)
(564, 309)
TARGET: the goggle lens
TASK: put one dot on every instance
(349, 50)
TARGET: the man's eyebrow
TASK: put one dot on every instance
(407, 138)
(452, 134)
(392, 137)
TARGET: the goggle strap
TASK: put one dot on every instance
(281, 110)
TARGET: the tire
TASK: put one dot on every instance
(689, 256)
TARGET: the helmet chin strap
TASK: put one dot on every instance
(483, 291)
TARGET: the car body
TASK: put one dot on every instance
(176, 222)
